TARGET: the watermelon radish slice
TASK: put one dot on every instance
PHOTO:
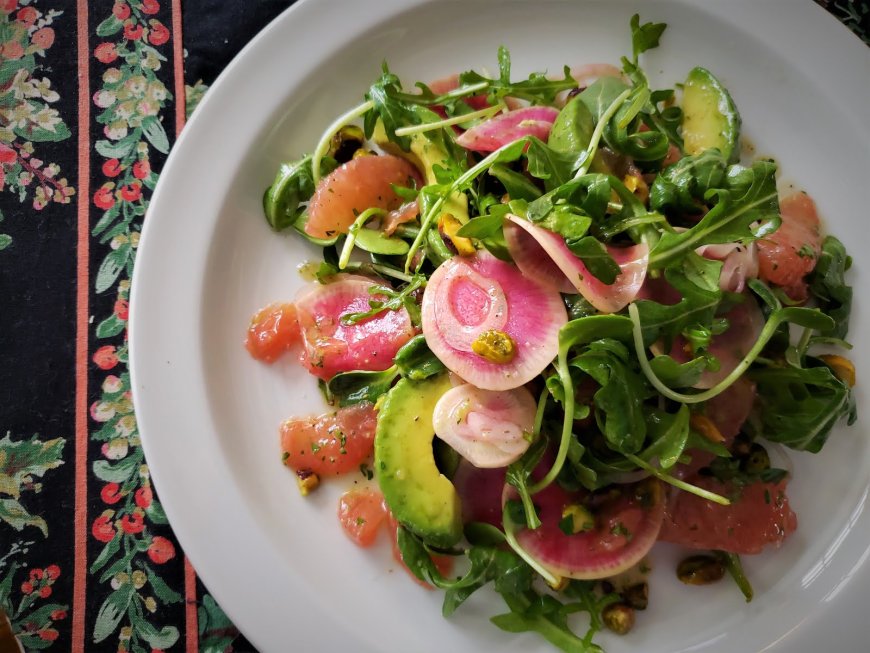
(588, 73)
(739, 263)
(530, 247)
(508, 127)
(489, 429)
(467, 297)
(331, 347)
(627, 521)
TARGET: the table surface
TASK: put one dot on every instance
(92, 95)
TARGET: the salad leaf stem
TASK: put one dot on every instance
(677, 483)
(511, 151)
(349, 241)
(599, 131)
(567, 424)
(511, 538)
(806, 317)
(735, 568)
(539, 414)
(488, 112)
(387, 271)
(323, 145)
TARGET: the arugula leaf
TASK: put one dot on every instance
(388, 105)
(828, 285)
(518, 186)
(545, 615)
(572, 131)
(553, 166)
(644, 37)
(394, 301)
(624, 133)
(483, 226)
(519, 475)
(697, 305)
(799, 407)
(600, 95)
(749, 196)
(293, 185)
(681, 186)
(619, 400)
(415, 360)
(435, 196)
(667, 119)
(669, 435)
(596, 258)
(351, 388)
(538, 88)
(678, 375)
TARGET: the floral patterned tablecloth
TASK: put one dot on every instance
(92, 95)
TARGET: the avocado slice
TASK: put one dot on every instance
(421, 498)
(710, 118)
(425, 154)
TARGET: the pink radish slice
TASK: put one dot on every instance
(745, 324)
(355, 186)
(331, 347)
(447, 84)
(508, 127)
(627, 519)
(526, 253)
(586, 74)
(739, 263)
(606, 298)
(466, 297)
(487, 428)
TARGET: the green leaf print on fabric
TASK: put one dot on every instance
(21, 463)
(27, 116)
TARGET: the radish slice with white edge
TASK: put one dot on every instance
(487, 428)
(607, 298)
(591, 72)
(468, 299)
(607, 533)
(508, 127)
(739, 263)
(526, 253)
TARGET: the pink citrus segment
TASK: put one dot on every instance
(362, 512)
(362, 183)
(273, 330)
(331, 444)
(759, 516)
(790, 253)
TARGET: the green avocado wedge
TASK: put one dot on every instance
(710, 117)
(421, 498)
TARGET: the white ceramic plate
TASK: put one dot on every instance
(208, 414)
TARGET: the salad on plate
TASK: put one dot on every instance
(557, 320)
